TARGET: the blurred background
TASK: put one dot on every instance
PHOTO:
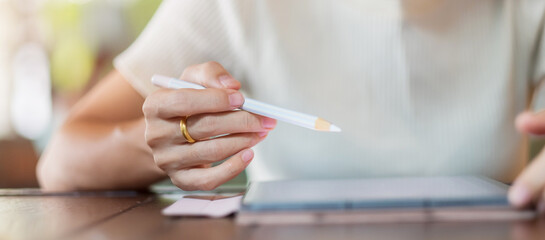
(51, 53)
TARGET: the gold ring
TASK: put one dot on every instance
(183, 128)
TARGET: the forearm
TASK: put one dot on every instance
(86, 155)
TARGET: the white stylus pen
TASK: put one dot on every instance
(257, 107)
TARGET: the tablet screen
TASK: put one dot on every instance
(413, 192)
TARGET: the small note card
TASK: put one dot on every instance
(204, 206)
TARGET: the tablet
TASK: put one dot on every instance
(419, 196)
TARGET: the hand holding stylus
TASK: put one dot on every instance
(189, 129)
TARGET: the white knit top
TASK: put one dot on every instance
(419, 87)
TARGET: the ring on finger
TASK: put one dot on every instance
(183, 128)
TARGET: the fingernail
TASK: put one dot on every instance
(247, 155)
(236, 99)
(227, 81)
(268, 123)
(519, 195)
(262, 134)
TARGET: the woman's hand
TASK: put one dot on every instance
(529, 187)
(210, 113)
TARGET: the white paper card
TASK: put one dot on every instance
(202, 207)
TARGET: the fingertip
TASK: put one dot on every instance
(519, 195)
(523, 121)
(268, 123)
(247, 155)
(236, 99)
(532, 123)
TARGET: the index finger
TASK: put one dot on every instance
(168, 103)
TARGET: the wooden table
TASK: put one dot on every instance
(30, 214)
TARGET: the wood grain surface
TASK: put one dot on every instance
(30, 214)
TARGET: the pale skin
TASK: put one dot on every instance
(529, 187)
(116, 139)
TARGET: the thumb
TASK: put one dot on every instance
(531, 123)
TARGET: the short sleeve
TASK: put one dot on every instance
(180, 34)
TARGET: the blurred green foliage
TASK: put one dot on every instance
(72, 59)
(72, 63)
(73, 54)
(139, 13)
